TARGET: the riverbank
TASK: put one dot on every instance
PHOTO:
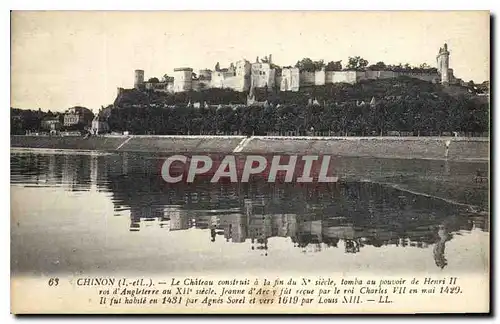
(437, 148)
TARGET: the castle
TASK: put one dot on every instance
(243, 75)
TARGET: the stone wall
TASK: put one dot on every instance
(319, 77)
(461, 149)
(262, 75)
(290, 79)
(380, 147)
(341, 77)
(230, 81)
(307, 78)
(183, 79)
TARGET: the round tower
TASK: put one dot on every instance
(139, 79)
(183, 79)
(205, 74)
(444, 64)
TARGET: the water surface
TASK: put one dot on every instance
(90, 213)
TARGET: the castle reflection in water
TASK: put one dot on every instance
(349, 215)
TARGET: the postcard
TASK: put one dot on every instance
(307, 162)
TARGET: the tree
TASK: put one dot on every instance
(402, 104)
(224, 116)
(379, 66)
(217, 67)
(407, 67)
(380, 118)
(153, 80)
(318, 65)
(484, 87)
(334, 66)
(356, 63)
(306, 64)
(343, 119)
(425, 66)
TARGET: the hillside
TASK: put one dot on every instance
(385, 89)
(131, 97)
(375, 107)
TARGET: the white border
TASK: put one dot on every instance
(180, 5)
(252, 5)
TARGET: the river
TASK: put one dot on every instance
(86, 213)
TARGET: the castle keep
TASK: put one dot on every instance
(243, 75)
(443, 64)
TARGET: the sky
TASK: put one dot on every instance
(60, 59)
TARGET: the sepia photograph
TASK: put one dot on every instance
(308, 162)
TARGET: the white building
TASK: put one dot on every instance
(183, 79)
(99, 126)
(236, 77)
(262, 75)
(290, 79)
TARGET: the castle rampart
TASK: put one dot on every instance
(138, 79)
(243, 75)
(290, 79)
(183, 79)
(262, 75)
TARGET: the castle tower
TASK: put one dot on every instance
(205, 74)
(443, 64)
(183, 79)
(139, 79)
(243, 73)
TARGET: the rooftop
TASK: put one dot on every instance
(183, 69)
